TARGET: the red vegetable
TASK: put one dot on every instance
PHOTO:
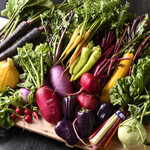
(89, 83)
(48, 104)
(35, 115)
(19, 110)
(88, 101)
(27, 112)
(15, 116)
(28, 118)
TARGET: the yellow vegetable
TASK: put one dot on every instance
(120, 72)
(9, 75)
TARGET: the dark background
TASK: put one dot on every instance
(19, 139)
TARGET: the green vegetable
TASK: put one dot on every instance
(73, 65)
(96, 54)
(128, 89)
(6, 120)
(35, 63)
(131, 133)
(85, 54)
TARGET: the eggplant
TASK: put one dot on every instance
(69, 107)
(105, 110)
(64, 129)
(85, 122)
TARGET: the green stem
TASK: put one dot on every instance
(42, 70)
(141, 137)
(29, 72)
(37, 75)
(143, 112)
(8, 31)
(54, 49)
(14, 26)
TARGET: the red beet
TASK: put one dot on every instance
(89, 83)
(88, 101)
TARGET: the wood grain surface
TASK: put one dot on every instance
(46, 129)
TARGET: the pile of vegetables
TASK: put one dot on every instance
(82, 65)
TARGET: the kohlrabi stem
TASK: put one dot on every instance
(143, 112)
(141, 137)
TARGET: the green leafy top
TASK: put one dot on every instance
(35, 64)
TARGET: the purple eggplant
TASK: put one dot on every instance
(85, 122)
(64, 129)
(105, 110)
(69, 107)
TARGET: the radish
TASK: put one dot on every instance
(27, 112)
(48, 104)
(14, 116)
(28, 118)
(60, 80)
(35, 115)
(89, 83)
(19, 110)
(88, 101)
(45, 97)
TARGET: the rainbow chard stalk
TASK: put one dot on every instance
(105, 132)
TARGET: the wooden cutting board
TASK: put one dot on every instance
(46, 129)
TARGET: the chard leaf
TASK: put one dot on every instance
(128, 90)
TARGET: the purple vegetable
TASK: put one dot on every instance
(28, 38)
(85, 122)
(64, 129)
(23, 92)
(69, 107)
(21, 30)
(60, 80)
(105, 110)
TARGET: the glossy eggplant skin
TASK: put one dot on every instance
(69, 107)
(105, 110)
(85, 122)
(64, 129)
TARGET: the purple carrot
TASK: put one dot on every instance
(20, 31)
(28, 38)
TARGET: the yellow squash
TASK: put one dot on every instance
(120, 72)
(9, 75)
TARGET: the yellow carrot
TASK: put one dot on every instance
(120, 72)
(86, 36)
(74, 36)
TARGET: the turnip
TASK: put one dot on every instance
(60, 80)
(48, 104)
(23, 93)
